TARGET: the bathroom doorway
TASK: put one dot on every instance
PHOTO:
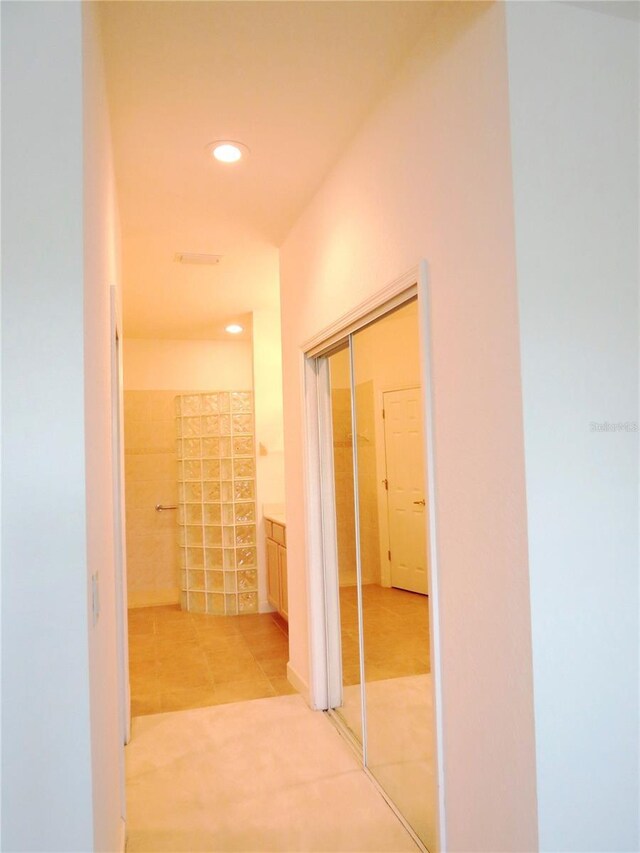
(377, 584)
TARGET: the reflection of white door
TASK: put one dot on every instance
(406, 495)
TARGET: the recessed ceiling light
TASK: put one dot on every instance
(228, 151)
(234, 328)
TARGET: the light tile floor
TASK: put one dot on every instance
(268, 775)
(181, 660)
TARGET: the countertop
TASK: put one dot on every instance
(275, 512)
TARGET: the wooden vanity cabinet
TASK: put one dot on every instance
(277, 589)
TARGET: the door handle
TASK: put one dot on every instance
(420, 503)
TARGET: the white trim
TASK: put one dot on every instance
(317, 690)
(296, 680)
(117, 444)
(393, 295)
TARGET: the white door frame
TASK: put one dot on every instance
(117, 446)
(324, 612)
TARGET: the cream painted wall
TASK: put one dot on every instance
(267, 384)
(101, 273)
(429, 176)
(61, 744)
(164, 365)
(574, 85)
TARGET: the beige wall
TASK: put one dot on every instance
(429, 177)
(151, 477)
(163, 365)
(62, 748)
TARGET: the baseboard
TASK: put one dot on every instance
(295, 680)
(156, 598)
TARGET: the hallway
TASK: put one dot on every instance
(264, 775)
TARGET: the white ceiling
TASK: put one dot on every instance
(291, 80)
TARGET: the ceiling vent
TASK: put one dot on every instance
(197, 258)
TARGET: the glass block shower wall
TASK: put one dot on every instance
(216, 502)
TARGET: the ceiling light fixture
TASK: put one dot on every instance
(227, 150)
(234, 328)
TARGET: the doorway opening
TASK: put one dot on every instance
(378, 555)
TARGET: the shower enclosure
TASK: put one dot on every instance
(216, 502)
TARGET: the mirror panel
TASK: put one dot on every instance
(350, 711)
(392, 527)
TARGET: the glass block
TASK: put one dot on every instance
(191, 404)
(228, 537)
(180, 514)
(182, 558)
(181, 493)
(243, 468)
(194, 534)
(184, 600)
(213, 536)
(179, 428)
(223, 401)
(226, 491)
(191, 448)
(183, 579)
(225, 446)
(245, 534)
(196, 579)
(197, 602)
(246, 558)
(192, 492)
(226, 469)
(229, 581)
(195, 558)
(193, 513)
(210, 425)
(242, 424)
(215, 604)
(211, 469)
(190, 427)
(225, 425)
(181, 537)
(244, 490)
(211, 491)
(229, 558)
(227, 513)
(213, 558)
(211, 447)
(247, 580)
(209, 404)
(248, 602)
(211, 515)
(192, 469)
(231, 604)
(242, 445)
(245, 513)
(177, 403)
(215, 581)
(179, 448)
(241, 401)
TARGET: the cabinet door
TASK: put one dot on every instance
(273, 574)
(284, 589)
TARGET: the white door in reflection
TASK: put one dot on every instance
(404, 452)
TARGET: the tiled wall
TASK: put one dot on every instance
(150, 478)
(367, 479)
(217, 511)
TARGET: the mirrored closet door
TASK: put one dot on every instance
(379, 670)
